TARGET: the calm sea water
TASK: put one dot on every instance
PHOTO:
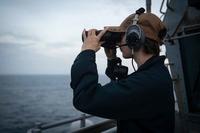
(25, 100)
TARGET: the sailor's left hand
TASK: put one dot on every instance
(92, 41)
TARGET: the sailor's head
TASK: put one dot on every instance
(154, 32)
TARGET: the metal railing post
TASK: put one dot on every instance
(83, 121)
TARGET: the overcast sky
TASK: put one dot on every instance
(44, 36)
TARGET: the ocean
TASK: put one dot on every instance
(28, 99)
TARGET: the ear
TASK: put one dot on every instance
(162, 33)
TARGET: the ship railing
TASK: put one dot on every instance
(98, 127)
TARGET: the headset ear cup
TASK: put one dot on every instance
(135, 37)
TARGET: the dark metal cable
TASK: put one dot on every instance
(133, 65)
(132, 52)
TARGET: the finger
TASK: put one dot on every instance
(94, 32)
(102, 33)
(89, 32)
(84, 34)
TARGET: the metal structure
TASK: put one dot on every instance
(39, 127)
(99, 127)
(182, 49)
(148, 6)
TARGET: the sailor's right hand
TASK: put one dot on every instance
(92, 41)
(110, 53)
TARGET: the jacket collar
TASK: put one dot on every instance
(151, 61)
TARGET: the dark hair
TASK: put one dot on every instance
(149, 47)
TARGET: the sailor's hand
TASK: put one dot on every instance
(110, 53)
(92, 41)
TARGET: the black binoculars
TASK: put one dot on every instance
(109, 39)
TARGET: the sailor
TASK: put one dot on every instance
(141, 102)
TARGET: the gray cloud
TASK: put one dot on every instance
(60, 44)
(20, 59)
(14, 38)
(19, 41)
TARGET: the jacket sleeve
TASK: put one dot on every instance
(115, 100)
